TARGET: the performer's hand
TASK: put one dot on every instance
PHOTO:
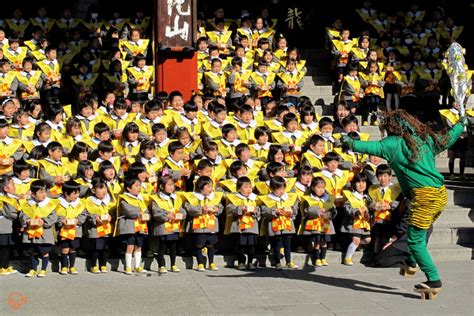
(464, 120)
(347, 141)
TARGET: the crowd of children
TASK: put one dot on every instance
(246, 161)
(395, 61)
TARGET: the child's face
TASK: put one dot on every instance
(198, 102)
(279, 156)
(373, 68)
(240, 52)
(24, 174)
(212, 154)
(203, 45)
(9, 187)
(231, 136)
(351, 127)
(327, 129)
(280, 117)
(177, 103)
(169, 187)
(365, 43)
(23, 119)
(262, 69)
(142, 176)
(141, 63)
(135, 188)
(44, 136)
(39, 196)
(245, 155)
(75, 130)
(132, 137)
(51, 54)
(105, 135)
(216, 67)
(205, 172)
(36, 111)
(184, 139)
(291, 67)
(318, 149)
(14, 45)
(89, 173)
(109, 174)
(246, 189)
(56, 154)
(345, 35)
(3, 132)
(319, 189)
(242, 172)
(9, 109)
(375, 160)
(306, 178)
(86, 111)
(372, 56)
(292, 126)
(279, 191)
(149, 153)
(384, 179)
(135, 36)
(105, 155)
(136, 107)
(332, 165)
(361, 186)
(152, 115)
(58, 118)
(262, 139)
(83, 156)
(308, 119)
(406, 66)
(353, 73)
(71, 197)
(220, 117)
(27, 67)
(207, 189)
(191, 115)
(6, 68)
(178, 155)
(160, 135)
(456, 105)
(119, 112)
(282, 43)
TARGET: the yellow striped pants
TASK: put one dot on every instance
(426, 206)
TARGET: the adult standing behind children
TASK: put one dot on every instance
(410, 150)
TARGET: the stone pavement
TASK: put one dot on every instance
(333, 290)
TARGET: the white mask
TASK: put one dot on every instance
(94, 15)
(408, 41)
(327, 135)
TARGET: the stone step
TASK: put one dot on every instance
(440, 253)
(454, 214)
(451, 234)
(460, 195)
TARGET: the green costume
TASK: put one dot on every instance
(418, 180)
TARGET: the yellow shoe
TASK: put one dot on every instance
(3, 271)
(128, 271)
(324, 262)
(103, 269)
(63, 271)
(348, 262)
(365, 123)
(139, 270)
(175, 269)
(162, 270)
(282, 251)
(213, 267)
(204, 251)
(292, 265)
(10, 270)
(318, 263)
(201, 268)
(376, 123)
(73, 271)
(42, 274)
(30, 274)
(95, 270)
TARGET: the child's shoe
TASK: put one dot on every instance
(63, 271)
(251, 266)
(348, 262)
(103, 269)
(95, 270)
(318, 263)
(73, 271)
(241, 266)
(3, 271)
(10, 270)
(140, 270)
(278, 266)
(128, 271)
(175, 269)
(292, 265)
(365, 123)
(30, 274)
(162, 270)
(42, 274)
(324, 262)
(201, 268)
(213, 267)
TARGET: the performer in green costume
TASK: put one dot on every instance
(410, 150)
